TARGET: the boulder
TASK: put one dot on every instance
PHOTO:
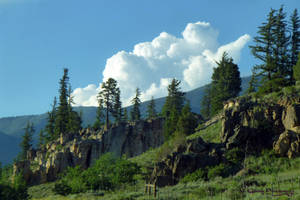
(288, 144)
(291, 117)
(197, 154)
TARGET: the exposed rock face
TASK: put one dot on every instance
(245, 124)
(186, 159)
(262, 125)
(288, 144)
(87, 146)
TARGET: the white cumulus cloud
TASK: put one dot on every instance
(151, 65)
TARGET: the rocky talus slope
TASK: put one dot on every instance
(251, 125)
(130, 139)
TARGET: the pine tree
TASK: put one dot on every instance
(62, 115)
(26, 143)
(280, 49)
(226, 83)
(74, 119)
(135, 111)
(42, 139)
(206, 103)
(187, 121)
(295, 38)
(125, 115)
(51, 123)
(151, 112)
(172, 108)
(175, 98)
(108, 93)
(117, 113)
(253, 82)
(99, 115)
(297, 69)
(264, 51)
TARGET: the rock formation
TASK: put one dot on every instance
(258, 125)
(248, 124)
(185, 159)
(130, 139)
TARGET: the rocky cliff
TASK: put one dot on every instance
(248, 124)
(83, 148)
(259, 124)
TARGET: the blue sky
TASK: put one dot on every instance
(38, 38)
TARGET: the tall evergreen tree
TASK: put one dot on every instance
(125, 115)
(151, 112)
(135, 111)
(172, 108)
(295, 38)
(297, 69)
(42, 139)
(108, 93)
(187, 121)
(117, 113)
(99, 115)
(206, 103)
(226, 83)
(253, 82)
(62, 115)
(26, 143)
(175, 98)
(51, 122)
(264, 51)
(74, 119)
(280, 48)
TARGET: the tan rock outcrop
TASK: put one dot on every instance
(288, 144)
(83, 148)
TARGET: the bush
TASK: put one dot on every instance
(234, 155)
(15, 191)
(62, 188)
(195, 176)
(219, 170)
(124, 171)
(108, 173)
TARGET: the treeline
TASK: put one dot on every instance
(277, 48)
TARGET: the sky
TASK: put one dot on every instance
(139, 43)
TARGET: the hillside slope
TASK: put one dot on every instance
(14, 126)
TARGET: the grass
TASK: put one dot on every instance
(210, 134)
(217, 188)
(146, 159)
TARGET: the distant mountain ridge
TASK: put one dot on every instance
(13, 127)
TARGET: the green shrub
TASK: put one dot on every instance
(291, 90)
(195, 176)
(62, 188)
(219, 170)
(107, 173)
(235, 190)
(234, 155)
(14, 191)
(124, 171)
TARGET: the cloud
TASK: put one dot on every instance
(86, 96)
(151, 65)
